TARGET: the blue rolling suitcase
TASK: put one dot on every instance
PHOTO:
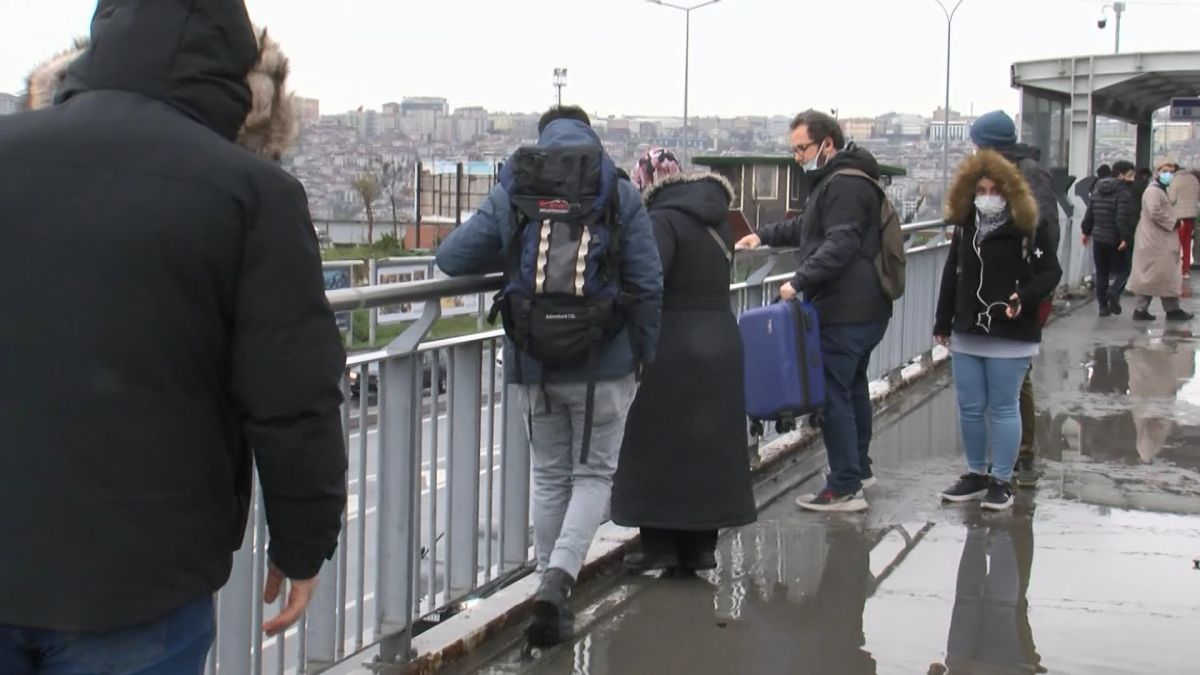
(785, 376)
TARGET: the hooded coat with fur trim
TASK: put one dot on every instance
(683, 463)
(982, 273)
(270, 128)
(182, 338)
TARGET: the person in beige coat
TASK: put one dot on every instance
(1157, 269)
(1184, 192)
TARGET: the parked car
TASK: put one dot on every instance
(373, 378)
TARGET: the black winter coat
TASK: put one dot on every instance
(1112, 216)
(1001, 261)
(684, 463)
(166, 315)
(839, 236)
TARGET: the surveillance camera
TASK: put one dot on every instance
(1102, 23)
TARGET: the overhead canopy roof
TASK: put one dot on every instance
(1125, 86)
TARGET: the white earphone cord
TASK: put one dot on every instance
(986, 314)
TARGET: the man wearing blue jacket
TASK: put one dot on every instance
(571, 497)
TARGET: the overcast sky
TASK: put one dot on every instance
(865, 57)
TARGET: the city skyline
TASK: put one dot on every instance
(749, 57)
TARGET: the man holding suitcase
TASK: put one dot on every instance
(839, 235)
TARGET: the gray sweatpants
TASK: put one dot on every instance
(571, 500)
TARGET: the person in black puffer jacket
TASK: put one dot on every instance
(998, 270)
(684, 471)
(1109, 224)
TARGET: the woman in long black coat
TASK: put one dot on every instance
(684, 471)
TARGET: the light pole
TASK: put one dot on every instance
(560, 81)
(946, 110)
(687, 55)
(1118, 8)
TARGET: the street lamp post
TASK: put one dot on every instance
(560, 81)
(1118, 8)
(946, 110)
(687, 56)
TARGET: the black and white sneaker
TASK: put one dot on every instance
(999, 496)
(970, 487)
(828, 500)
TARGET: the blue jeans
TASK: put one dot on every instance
(177, 644)
(846, 350)
(989, 391)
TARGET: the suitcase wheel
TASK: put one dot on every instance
(785, 426)
(756, 429)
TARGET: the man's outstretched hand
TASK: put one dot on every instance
(748, 243)
(298, 596)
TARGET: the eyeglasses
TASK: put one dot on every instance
(802, 148)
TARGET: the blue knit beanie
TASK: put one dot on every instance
(994, 130)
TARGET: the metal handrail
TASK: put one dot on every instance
(370, 297)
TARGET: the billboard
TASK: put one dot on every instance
(340, 275)
(459, 305)
(399, 271)
(406, 270)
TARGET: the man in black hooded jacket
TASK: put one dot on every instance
(184, 338)
(839, 235)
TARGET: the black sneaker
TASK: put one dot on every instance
(1114, 306)
(553, 621)
(1105, 310)
(1180, 315)
(1025, 474)
(1139, 315)
(969, 488)
(999, 496)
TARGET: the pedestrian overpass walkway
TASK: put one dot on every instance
(433, 569)
(1092, 573)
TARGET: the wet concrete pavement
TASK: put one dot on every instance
(1091, 574)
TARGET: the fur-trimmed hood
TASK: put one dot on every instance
(960, 204)
(703, 196)
(270, 127)
(651, 192)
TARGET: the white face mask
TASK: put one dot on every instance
(814, 163)
(990, 205)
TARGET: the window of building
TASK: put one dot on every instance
(766, 183)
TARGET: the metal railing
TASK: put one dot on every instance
(439, 477)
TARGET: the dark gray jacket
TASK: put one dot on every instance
(838, 236)
(1112, 216)
(1028, 159)
(480, 246)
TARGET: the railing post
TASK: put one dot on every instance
(514, 483)
(464, 419)
(399, 504)
(235, 605)
(321, 638)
